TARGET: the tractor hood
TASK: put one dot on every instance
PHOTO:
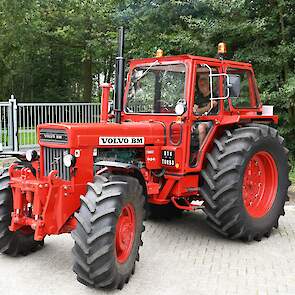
(127, 134)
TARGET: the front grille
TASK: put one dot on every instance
(53, 160)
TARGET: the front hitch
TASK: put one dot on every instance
(32, 198)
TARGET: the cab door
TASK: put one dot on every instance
(207, 94)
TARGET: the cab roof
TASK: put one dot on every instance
(186, 57)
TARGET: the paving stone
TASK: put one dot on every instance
(182, 256)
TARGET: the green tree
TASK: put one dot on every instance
(51, 49)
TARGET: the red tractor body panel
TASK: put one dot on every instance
(55, 198)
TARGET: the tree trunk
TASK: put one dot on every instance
(87, 79)
(110, 70)
(22, 94)
(283, 36)
(61, 67)
(32, 86)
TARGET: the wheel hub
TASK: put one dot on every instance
(125, 232)
(260, 184)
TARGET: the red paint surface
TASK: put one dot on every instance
(125, 233)
(260, 184)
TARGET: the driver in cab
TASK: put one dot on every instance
(203, 104)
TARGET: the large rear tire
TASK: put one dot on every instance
(245, 182)
(13, 243)
(108, 234)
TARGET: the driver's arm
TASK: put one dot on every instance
(206, 108)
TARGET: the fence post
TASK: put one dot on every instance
(13, 142)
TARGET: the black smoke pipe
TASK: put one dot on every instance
(120, 75)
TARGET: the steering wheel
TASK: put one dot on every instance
(165, 105)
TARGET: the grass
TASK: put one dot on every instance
(25, 137)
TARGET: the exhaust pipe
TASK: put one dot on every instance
(119, 78)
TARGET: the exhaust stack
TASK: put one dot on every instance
(120, 73)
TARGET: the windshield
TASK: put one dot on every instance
(156, 88)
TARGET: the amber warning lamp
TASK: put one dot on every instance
(221, 50)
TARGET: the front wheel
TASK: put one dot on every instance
(245, 182)
(108, 234)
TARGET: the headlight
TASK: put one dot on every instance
(69, 160)
(31, 155)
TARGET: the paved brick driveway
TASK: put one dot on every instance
(179, 257)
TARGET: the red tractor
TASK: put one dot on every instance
(187, 133)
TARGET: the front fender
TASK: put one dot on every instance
(124, 168)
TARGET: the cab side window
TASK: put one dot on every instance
(203, 90)
(248, 94)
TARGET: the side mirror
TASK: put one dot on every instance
(234, 85)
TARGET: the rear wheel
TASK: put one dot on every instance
(245, 182)
(108, 234)
(16, 243)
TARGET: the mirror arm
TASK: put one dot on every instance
(211, 107)
(211, 88)
(210, 78)
(228, 86)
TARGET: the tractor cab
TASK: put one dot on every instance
(190, 96)
(180, 85)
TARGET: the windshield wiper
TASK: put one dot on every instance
(145, 72)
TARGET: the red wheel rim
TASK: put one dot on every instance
(260, 184)
(125, 232)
